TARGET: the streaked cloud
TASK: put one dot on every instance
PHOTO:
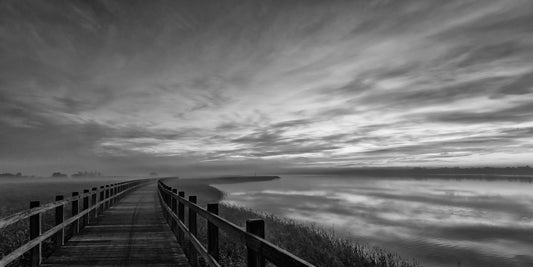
(173, 85)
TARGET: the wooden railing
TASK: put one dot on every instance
(173, 204)
(93, 203)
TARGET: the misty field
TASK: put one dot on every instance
(16, 194)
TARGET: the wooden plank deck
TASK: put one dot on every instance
(131, 233)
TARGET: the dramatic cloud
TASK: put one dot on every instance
(243, 86)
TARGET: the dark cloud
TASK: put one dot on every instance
(290, 124)
(521, 86)
(434, 96)
(518, 113)
(483, 54)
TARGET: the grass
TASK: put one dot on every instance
(312, 243)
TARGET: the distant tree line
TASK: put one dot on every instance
(8, 174)
(87, 174)
(78, 174)
(58, 174)
(518, 173)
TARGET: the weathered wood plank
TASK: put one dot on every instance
(131, 233)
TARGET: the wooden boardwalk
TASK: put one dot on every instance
(127, 224)
(131, 233)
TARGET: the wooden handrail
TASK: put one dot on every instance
(196, 243)
(258, 247)
(120, 189)
(15, 217)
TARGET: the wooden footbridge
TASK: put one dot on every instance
(135, 223)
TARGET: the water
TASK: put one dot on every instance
(438, 222)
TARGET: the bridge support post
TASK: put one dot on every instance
(75, 210)
(212, 233)
(85, 218)
(181, 216)
(255, 227)
(164, 201)
(101, 208)
(115, 200)
(166, 196)
(35, 231)
(111, 194)
(60, 217)
(174, 207)
(193, 228)
(114, 194)
(94, 212)
(106, 197)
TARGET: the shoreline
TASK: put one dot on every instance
(203, 189)
(311, 242)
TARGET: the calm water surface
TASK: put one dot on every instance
(438, 222)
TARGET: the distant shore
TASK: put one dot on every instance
(201, 187)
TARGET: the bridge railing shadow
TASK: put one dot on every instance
(259, 250)
(85, 209)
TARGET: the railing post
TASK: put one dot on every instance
(174, 208)
(93, 205)
(106, 196)
(60, 236)
(193, 257)
(181, 216)
(114, 201)
(102, 192)
(75, 210)
(111, 194)
(114, 194)
(160, 201)
(85, 218)
(212, 233)
(159, 189)
(35, 231)
(164, 193)
(167, 199)
(255, 227)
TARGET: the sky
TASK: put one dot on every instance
(240, 87)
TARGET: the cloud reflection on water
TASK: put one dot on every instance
(439, 222)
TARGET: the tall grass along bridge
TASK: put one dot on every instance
(135, 223)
